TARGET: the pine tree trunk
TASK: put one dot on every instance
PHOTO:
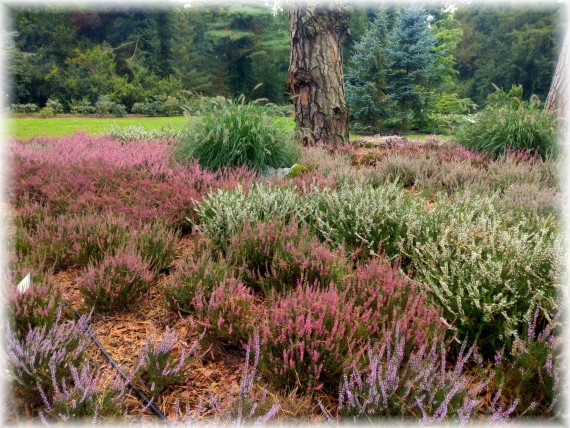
(558, 93)
(315, 77)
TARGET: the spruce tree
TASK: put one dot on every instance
(411, 58)
(366, 78)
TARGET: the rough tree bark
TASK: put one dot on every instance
(558, 93)
(315, 77)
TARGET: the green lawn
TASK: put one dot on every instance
(22, 128)
(53, 127)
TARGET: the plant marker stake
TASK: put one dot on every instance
(25, 284)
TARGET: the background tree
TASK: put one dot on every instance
(366, 78)
(315, 77)
(412, 60)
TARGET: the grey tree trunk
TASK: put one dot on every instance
(558, 94)
(315, 77)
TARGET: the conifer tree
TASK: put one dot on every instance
(366, 78)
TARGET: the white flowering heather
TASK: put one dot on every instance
(44, 356)
(375, 217)
(223, 213)
(487, 267)
(160, 365)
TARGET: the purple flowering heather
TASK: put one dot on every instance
(160, 367)
(44, 356)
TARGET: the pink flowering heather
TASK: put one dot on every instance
(275, 255)
(116, 282)
(36, 307)
(64, 241)
(386, 297)
(196, 274)
(155, 242)
(228, 312)
(308, 336)
(160, 366)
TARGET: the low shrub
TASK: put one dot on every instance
(485, 266)
(155, 242)
(139, 133)
(54, 105)
(44, 357)
(64, 241)
(396, 384)
(85, 394)
(159, 364)
(307, 338)
(36, 307)
(194, 277)
(81, 107)
(24, 108)
(228, 312)
(238, 133)
(274, 256)
(116, 282)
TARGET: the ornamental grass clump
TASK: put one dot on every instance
(161, 365)
(116, 282)
(275, 256)
(238, 133)
(519, 126)
(45, 355)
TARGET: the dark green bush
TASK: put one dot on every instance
(238, 133)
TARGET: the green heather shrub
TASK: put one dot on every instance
(155, 242)
(486, 266)
(55, 105)
(355, 216)
(116, 282)
(238, 133)
(81, 107)
(514, 126)
(275, 256)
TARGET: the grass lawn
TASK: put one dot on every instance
(22, 128)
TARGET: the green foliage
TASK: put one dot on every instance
(238, 133)
(509, 124)
(24, 108)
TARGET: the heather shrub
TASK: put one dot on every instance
(532, 371)
(81, 107)
(139, 133)
(195, 276)
(160, 366)
(397, 384)
(44, 356)
(384, 296)
(65, 241)
(510, 127)
(485, 266)
(85, 394)
(274, 256)
(115, 282)
(238, 133)
(155, 242)
(532, 200)
(308, 336)
(223, 213)
(376, 218)
(228, 312)
(36, 307)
